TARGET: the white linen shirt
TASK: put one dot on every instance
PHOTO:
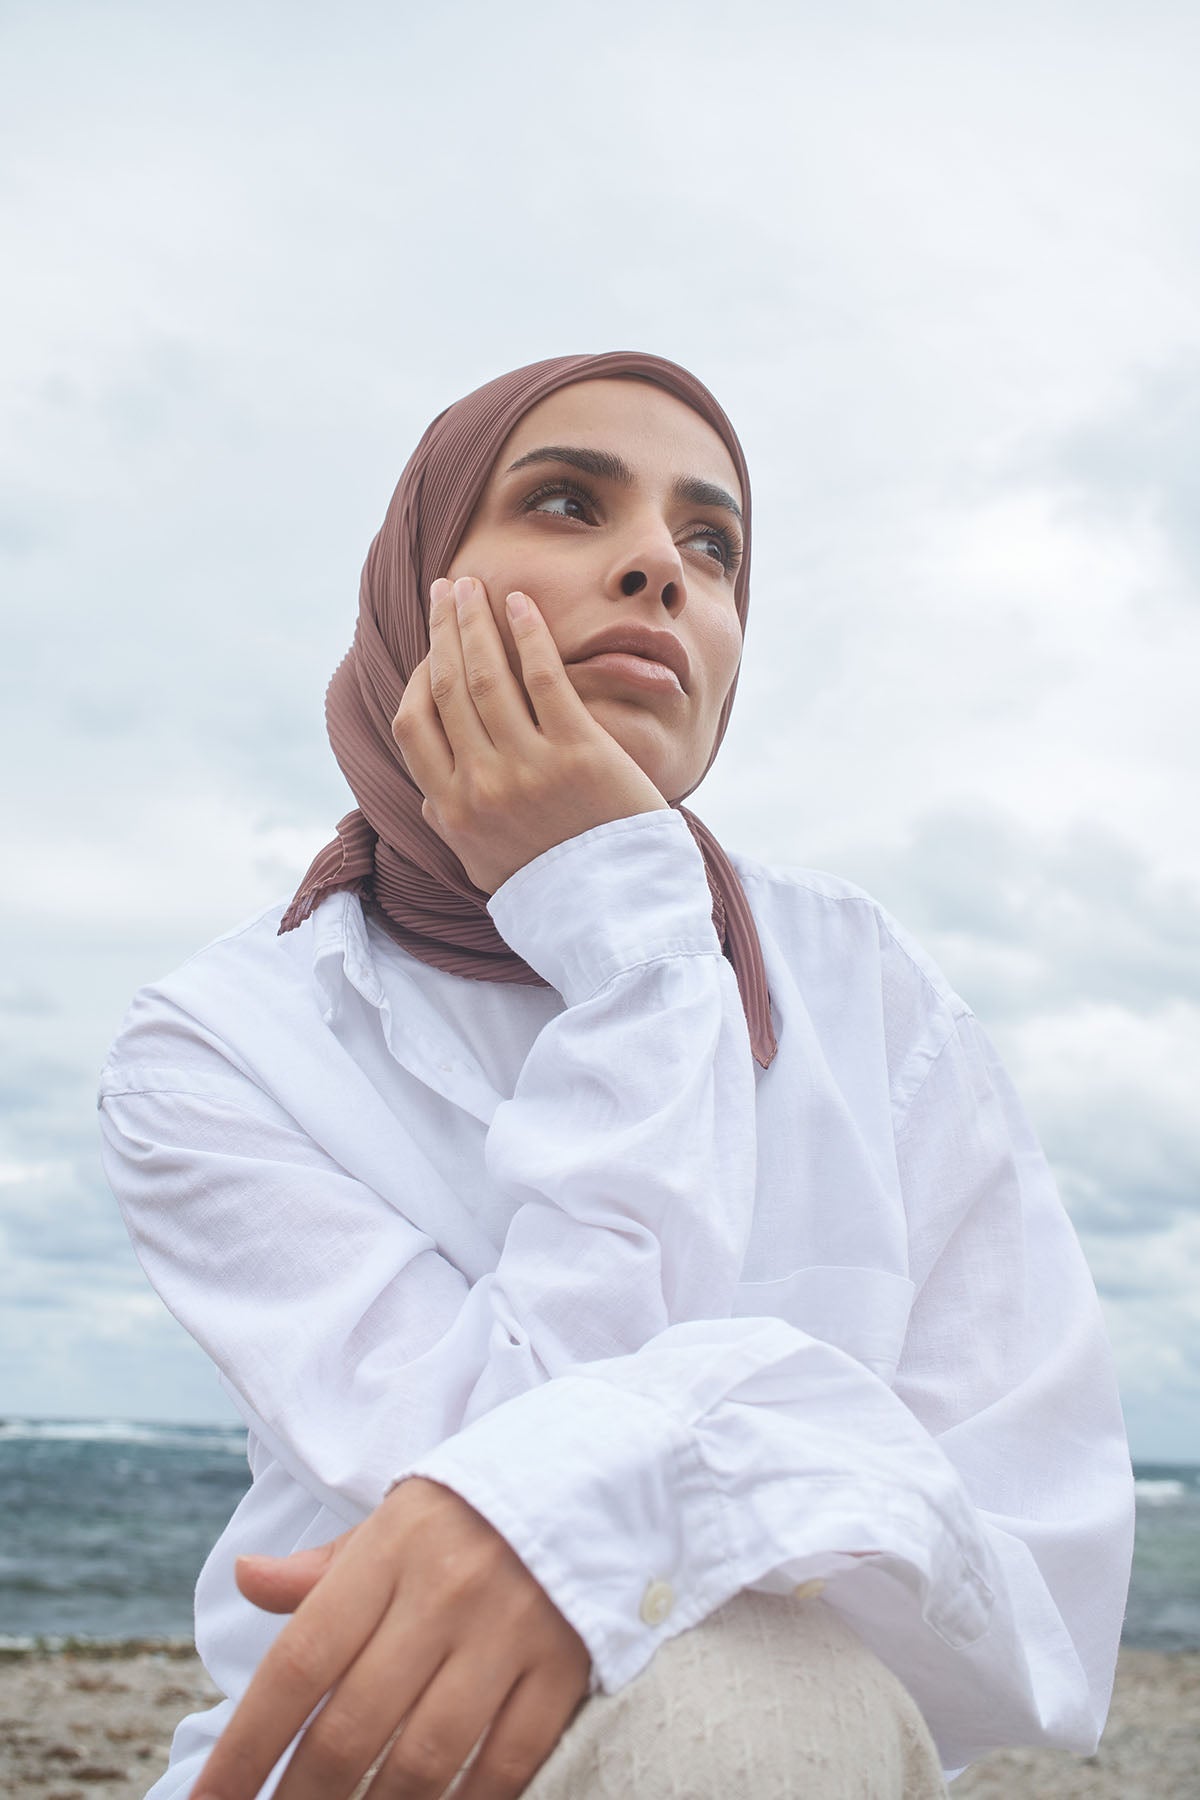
(676, 1325)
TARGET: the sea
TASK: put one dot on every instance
(104, 1527)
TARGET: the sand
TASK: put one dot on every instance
(96, 1726)
(82, 1726)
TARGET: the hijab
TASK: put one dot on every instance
(384, 851)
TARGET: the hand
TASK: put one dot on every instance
(421, 1614)
(508, 767)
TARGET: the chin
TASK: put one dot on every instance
(643, 742)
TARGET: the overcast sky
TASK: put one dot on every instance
(941, 265)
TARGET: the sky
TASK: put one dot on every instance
(940, 265)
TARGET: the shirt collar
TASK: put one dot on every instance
(342, 955)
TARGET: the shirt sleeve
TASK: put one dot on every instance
(349, 1343)
(645, 1454)
(629, 1144)
(974, 1523)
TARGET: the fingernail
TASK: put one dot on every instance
(464, 587)
(439, 591)
(518, 606)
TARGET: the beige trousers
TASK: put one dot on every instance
(769, 1698)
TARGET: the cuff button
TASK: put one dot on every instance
(657, 1602)
(808, 1590)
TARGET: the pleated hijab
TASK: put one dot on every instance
(384, 851)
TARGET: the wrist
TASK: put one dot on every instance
(616, 896)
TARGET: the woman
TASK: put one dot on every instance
(668, 1367)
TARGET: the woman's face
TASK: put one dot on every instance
(616, 508)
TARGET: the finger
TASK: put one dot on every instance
(420, 736)
(524, 1733)
(556, 706)
(382, 1688)
(310, 1654)
(278, 1584)
(497, 691)
(465, 730)
(442, 1729)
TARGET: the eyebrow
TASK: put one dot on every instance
(607, 467)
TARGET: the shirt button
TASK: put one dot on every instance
(657, 1602)
(808, 1590)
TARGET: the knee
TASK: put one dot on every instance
(768, 1697)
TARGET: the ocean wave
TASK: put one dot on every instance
(1160, 1493)
(229, 1438)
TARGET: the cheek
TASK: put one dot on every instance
(502, 568)
(497, 574)
(722, 653)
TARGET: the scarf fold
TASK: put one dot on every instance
(384, 851)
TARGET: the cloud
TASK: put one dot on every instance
(940, 273)
(1114, 1096)
(1033, 922)
(1143, 460)
(1153, 1317)
(26, 999)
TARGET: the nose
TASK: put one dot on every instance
(652, 566)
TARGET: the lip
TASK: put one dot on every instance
(640, 640)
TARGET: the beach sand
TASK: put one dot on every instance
(85, 1726)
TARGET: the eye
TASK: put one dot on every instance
(569, 492)
(728, 550)
(727, 553)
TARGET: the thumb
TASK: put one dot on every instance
(279, 1583)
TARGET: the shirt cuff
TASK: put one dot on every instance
(620, 895)
(643, 1576)
(640, 1519)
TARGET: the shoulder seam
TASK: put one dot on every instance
(127, 1090)
(949, 999)
(934, 1063)
(225, 937)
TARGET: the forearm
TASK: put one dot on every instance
(629, 1142)
(351, 1342)
(742, 1453)
(974, 1520)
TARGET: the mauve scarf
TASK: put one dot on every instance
(384, 851)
